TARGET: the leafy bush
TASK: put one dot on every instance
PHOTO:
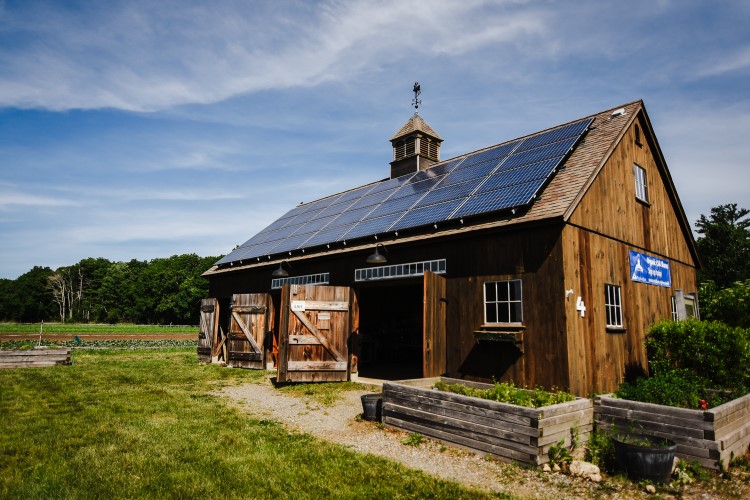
(600, 451)
(505, 392)
(729, 305)
(681, 388)
(712, 351)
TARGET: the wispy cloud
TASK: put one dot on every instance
(18, 199)
(154, 56)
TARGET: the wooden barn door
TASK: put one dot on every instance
(433, 326)
(208, 330)
(316, 324)
(250, 325)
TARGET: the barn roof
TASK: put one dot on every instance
(531, 178)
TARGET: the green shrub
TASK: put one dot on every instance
(600, 451)
(713, 351)
(680, 388)
(505, 392)
(729, 305)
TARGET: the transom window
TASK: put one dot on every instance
(613, 305)
(502, 302)
(641, 183)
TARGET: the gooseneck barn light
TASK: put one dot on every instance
(281, 272)
(377, 257)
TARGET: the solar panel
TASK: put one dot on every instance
(498, 178)
(426, 215)
(395, 205)
(451, 192)
(327, 235)
(504, 178)
(372, 226)
(489, 154)
(465, 174)
(499, 199)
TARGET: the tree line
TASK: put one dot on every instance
(96, 290)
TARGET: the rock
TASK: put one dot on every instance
(546, 468)
(675, 464)
(556, 468)
(585, 470)
(650, 488)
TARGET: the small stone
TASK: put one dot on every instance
(675, 464)
(650, 488)
(546, 468)
(556, 468)
(585, 470)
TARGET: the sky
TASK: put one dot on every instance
(143, 129)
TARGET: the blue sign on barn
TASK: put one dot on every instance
(650, 270)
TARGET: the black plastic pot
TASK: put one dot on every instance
(372, 404)
(652, 461)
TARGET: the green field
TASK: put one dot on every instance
(143, 424)
(93, 329)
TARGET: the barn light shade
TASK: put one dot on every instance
(281, 272)
(377, 257)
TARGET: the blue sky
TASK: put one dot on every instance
(143, 129)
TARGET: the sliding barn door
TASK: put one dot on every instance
(251, 325)
(434, 328)
(316, 324)
(208, 330)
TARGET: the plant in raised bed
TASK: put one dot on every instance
(505, 392)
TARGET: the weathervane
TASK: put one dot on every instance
(416, 101)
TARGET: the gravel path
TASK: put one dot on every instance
(339, 423)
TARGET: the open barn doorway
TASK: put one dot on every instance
(391, 330)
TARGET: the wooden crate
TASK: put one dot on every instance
(509, 432)
(711, 437)
(29, 358)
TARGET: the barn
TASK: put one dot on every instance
(542, 260)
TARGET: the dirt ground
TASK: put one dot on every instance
(340, 423)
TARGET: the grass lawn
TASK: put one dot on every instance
(142, 424)
(92, 329)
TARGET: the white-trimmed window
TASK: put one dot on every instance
(613, 305)
(502, 302)
(641, 183)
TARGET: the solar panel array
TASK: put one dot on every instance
(502, 177)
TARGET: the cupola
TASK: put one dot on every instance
(416, 146)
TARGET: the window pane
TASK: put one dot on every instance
(504, 313)
(515, 290)
(491, 313)
(503, 291)
(515, 313)
(490, 293)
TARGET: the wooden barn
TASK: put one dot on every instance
(542, 260)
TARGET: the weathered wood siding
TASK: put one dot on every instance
(535, 257)
(610, 207)
(608, 223)
(511, 433)
(711, 437)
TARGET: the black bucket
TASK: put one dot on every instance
(652, 461)
(372, 404)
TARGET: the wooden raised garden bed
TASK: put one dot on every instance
(29, 358)
(712, 437)
(506, 431)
